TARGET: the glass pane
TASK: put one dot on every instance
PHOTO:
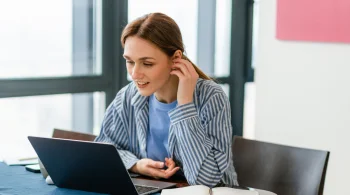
(250, 88)
(39, 115)
(249, 111)
(184, 12)
(41, 38)
(222, 38)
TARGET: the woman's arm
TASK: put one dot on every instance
(204, 148)
(113, 130)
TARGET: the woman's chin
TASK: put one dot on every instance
(144, 92)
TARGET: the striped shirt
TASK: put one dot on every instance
(200, 133)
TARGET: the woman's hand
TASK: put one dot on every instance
(155, 169)
(187, 80)
(170, 164)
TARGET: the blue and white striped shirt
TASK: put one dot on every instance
(200, 133)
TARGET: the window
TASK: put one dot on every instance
(43, 38)
(39, 115)
(250, 89)
(51, 69)
(222, 38)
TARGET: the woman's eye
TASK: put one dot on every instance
(129, 62)
(147, 64)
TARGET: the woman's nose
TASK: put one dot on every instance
(136, 73)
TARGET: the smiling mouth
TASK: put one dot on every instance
(142, 84)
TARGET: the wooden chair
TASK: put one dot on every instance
(59, 133)
(281, 169)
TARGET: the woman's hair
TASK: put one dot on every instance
(162, 31)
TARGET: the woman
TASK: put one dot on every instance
(172, 118)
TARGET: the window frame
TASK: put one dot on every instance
(241, 70)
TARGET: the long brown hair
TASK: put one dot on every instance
(162, 31)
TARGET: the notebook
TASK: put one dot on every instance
(204, 190)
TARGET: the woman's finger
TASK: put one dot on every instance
(167, 162)
(178, 73)
(188, 65)
(155, 164)
(157, 173)
(182, 68)
(170, 164)
(171, 172)
(183, 63)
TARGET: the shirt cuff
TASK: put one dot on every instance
(130, 163)
(182, 112)
(128, 158)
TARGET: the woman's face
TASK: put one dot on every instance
(148, 66)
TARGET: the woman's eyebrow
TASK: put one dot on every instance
(143, 58)
(146, 58)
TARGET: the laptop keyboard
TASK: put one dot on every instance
(144, 189)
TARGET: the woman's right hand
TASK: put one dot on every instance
(155, 169)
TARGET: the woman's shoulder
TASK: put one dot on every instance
(208, 91)
(125, 94)
(208, 88)
(128, 90)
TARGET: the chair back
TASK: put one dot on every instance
(65, 134)
(284, 170)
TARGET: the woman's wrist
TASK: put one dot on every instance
(184, 101)
(134, 168)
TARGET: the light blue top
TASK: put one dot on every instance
(200, 132)
(158, 130)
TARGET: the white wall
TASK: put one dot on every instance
(303, 96)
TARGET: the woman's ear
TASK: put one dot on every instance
(177, 55)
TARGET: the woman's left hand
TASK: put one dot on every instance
(171, 167)
(187, 80)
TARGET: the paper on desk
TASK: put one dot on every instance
(21, 149)
(17, 162)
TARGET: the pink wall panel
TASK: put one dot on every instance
(314, 20)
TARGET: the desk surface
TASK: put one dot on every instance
(17, 180)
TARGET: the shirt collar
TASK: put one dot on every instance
(138, 100)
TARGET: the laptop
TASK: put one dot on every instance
(90, 166)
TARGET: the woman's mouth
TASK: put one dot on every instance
(142, 84)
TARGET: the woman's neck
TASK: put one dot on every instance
(168, 93)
